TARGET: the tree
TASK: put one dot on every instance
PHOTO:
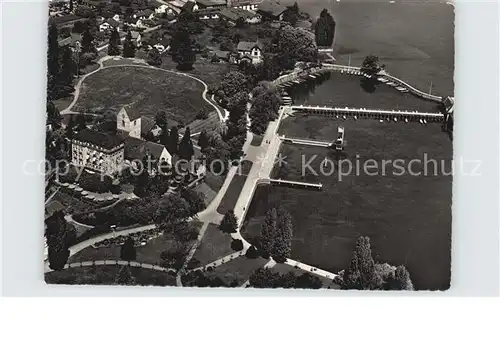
(203, 141)
(371, 65)
(59, 237)
(128, 46)
(402, 279)
(264, 278)
(268, 231)
(53, 51)
(361, 273)
(68, 69)
(252, 252)
(70, 127)
(292, 14)
(195, 200)
(324, 29)
(80, 122)
(232, 83)
(154, 57)
(53, 116)
(308, 281)
(229, 223)
(282, 243)
(161, 119)
(127, 251)
(88, 43)
(114, 43)
(173, 141)
(295, 43)
(186, 149)
(124, 276)
(181, 47)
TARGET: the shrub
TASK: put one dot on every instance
(237, 245)
(252, 252)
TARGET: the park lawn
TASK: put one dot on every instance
(407, 217)
(257, 140)
(149, 253)
(232, 194)
(106, 275)
(284, 269)
(210, 73)
(145, 90)
(214, 245)
(233, 191)
(238, 269)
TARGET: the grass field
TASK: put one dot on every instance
(149, 253)
(233, 191)
(106, 275)
(408, 218)
(215, 244)
(238, 269)
(146, 90)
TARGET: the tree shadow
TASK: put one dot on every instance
(369, 85)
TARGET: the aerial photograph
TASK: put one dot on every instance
(279, 144)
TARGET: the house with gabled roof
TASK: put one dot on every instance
(252, 50)
(129, 121)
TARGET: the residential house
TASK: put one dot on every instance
(272, 10)
(233, 15)
(98, 151)
(208, 13)
(109, 24)
(251, 50)
(160, 10)
(137, 149)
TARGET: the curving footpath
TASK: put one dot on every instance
(115, 263)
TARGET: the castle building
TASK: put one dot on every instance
(97, 151)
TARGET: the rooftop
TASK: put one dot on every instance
(272, 7)
(104, 140)
(136, 149)
(248, 45)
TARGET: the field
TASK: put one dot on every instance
(407, 217)
(106, 275)
(145, 90)
(214, 245)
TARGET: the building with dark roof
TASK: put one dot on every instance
(272, 10)
(129, 121)
(101, 152)
(252, 50)
(207, 4)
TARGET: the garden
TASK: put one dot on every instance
(140, 239)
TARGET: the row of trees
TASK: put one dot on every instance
(276, 234)
(266, 278)
(170, 138)
(364, 274)
(59, 235)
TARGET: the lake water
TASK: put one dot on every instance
(415, 40)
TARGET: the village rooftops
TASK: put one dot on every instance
(104, 140)
(131, 113)
(248, 45)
